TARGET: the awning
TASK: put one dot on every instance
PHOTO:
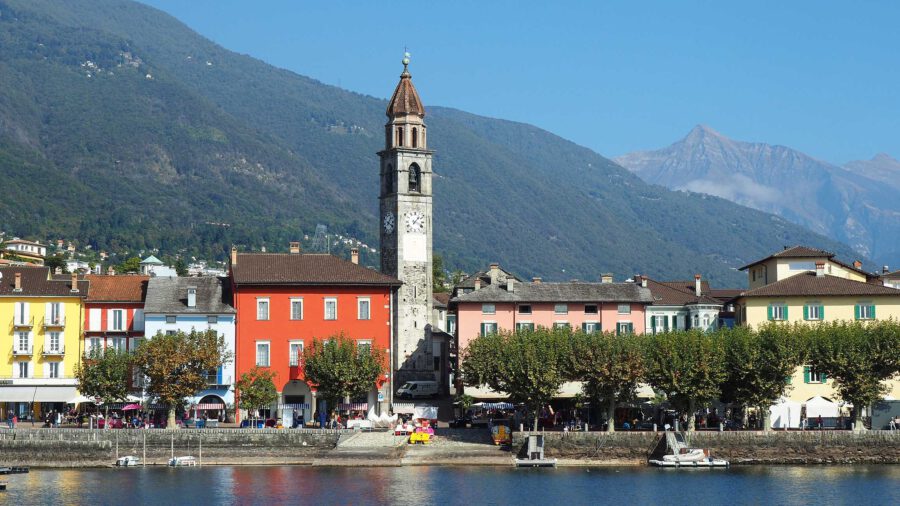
(353, 406)
(304, 405)
(404, 408)
(38, 393)
(209, 405)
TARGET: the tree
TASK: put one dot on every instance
(131, 265)
(529, 366)
(341, 369)
(759, 363)
(177, 365)
(688, 366)
(610, 366)
(256, 388)
(55, 261)
(104, 375)
(438, 275)
(181, 267)
(859, 357)
(456, 277)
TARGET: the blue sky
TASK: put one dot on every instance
(819, 76)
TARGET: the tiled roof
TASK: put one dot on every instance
(117, 288)
(304, 269)
(725, 294)
(485, 276)
(679, 293)
(560, 292)
(892, 275)
(441, 299)
(405, 99)
(794, 252)
(36, 281)
(152, 260)
(808, 284)
(169, 295)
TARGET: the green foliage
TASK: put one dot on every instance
(104, 375)
(858, 356)
(181, 267)
(528, 365)
(55, 261)
(438, 274)
(256, 388)
(340, 369)
(689, 366)
(129, 266)
(176, 365)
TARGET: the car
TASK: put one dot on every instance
(414, 389)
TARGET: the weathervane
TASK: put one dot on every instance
(405, 60)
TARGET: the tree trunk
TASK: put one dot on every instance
(690, 417)
(766, 418)
(537, 414)
(170, 421)
(611, 416)
(856, 421)
(106, 417)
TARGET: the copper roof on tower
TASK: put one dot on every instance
(405, 99)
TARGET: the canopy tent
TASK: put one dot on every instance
(404, 408)
(820, 406)
(493, 405)
(426, 412)
(353, 406)
(785, 414)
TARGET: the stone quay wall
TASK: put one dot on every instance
(84, 447)
(738, 447)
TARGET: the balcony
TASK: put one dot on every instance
(53, 351)
(57, 322)
(212, 381)
(23, 351)
(19, 323)
(111, 330)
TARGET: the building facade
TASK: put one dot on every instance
(286, 301)
(184, 304)
(42, 317)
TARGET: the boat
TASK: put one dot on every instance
(186, 461)
(682, 456)
(535, 455)
(2, 486)
(13, 470)
(127, 461)
(500, 432)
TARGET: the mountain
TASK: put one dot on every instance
(856, 204)
(122, 128)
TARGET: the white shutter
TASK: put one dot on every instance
(48, 312)
(27, 312)
(94, 320)
(109, 319)
(46, 370)
(138, 320)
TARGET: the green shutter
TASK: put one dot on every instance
(482, 329)
(872, 311)
(666, 323)
(631, 328)
(805, 312)
(789, 379)
(806, 374)
(785, 312)
(769, 310)
(584, 327)
(653, 324)
(823, 377)
(856, 312)
(618, 329)
(822, 313)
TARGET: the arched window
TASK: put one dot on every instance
(415, 137)
(400, 136)
(387, 182)
(415, 178)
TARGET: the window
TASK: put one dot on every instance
(696, 321)
(590, 309)
(262, 354)
(362, 308)
(55, 314)
(400, 136)
(415, 178)
(561, 309)
(590, 327)
(624, 328)
(415, 138)
(624, 308)
(525, 309)
(812, 375)
(116, 343)
(53, 370)
(525, 326)
(813, 311)
(561, 325)
(23, 369)
(296, 350)
(170, 332)
(95, 343)
(170, 319)
(660, 323)
(488, 328)
(117, 319)
(212, 319)
(778, 311)
(364, 345)
(706, 321)
(262, 309)
(331, 308)
(296, 309)
(22, 341)
(54, 341)
(864, 311)
(21, 313)
(488, 309)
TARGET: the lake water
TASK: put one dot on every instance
(766, 485)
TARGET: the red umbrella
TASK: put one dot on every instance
(132, 407)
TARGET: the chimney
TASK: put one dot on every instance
(536, 281)
(477, 284)
(606, 278)
(192, 296)
(58, 270)
(18, 286)
(262, 249)
(234, 255)
(495, 272)
(354, 255)
(820, 269)
(294, 247)
(857, 264)
(111, 271)
(510, 284)
(74, 282)
(697, 285)
(884, 269)
(643, 281)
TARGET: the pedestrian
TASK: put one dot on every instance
(9, 418)
(820, 423)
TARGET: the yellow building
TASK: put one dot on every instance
(806, 285)
(40, 342)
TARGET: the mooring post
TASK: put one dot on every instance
(144, 460)
(200, 435)
(173, 445)
(117, 445)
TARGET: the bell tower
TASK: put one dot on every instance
(406, 228)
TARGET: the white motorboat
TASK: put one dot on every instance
(682, 456)
(127, 461)
(186, 461)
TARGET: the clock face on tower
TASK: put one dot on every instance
(415, 222)
(389, 222)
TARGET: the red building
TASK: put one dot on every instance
(114, 312)
(285, 301)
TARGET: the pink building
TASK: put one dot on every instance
(511, 305)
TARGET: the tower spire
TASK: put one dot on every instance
(405, 100)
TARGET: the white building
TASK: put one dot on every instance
(152, 266)
(680, 305)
